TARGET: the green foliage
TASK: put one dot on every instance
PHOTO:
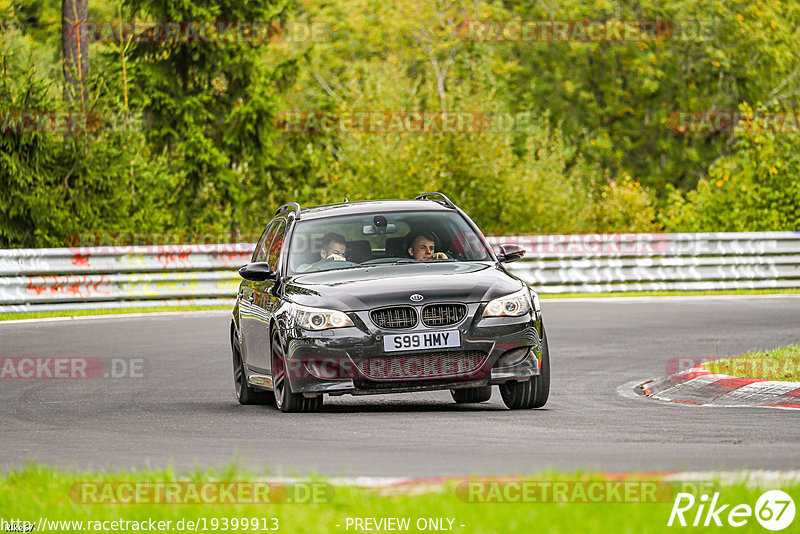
(192, 139)
(753, 188)
(623, 205)
(57, 185)
(415, 58)
(614, 99)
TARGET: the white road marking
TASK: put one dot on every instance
(627, 389)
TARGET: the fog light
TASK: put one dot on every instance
(513, 357)
(325, 369)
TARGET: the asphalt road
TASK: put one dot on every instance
(182, 410)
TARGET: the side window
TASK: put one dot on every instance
(276, 245)
(260, 253)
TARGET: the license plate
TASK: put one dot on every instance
(421, 340)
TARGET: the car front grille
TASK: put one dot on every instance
(422, 366)
(443, 314)
(399, 317)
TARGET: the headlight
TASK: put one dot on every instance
(318, 318)
(512, 305)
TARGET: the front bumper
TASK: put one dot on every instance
(352, 360)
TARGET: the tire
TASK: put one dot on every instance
(285, 400)
(470, 395)
(244, 393)
(532, 393)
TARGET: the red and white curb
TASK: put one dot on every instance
(701, 387)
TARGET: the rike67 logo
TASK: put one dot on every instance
(774, 510)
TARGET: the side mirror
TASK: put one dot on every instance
(509, 253)
(257, 272)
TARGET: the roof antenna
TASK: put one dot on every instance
(345, 199)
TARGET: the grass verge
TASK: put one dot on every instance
(115, 311)
(37, 493)
(782, 364)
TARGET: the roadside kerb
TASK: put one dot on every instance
(700, 387)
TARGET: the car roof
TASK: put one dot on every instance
(371, 206)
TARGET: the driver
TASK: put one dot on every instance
(334, 247)
(421, 246)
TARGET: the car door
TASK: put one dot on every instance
(265, 301)
(250, 318)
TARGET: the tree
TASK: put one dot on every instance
(75, 50)
(210, 105)
(614, 98)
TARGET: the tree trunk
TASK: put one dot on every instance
(75, 47)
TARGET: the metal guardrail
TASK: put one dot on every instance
(186, 275)
(117, 277)
(651, 262)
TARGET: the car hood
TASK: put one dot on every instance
(383, 285)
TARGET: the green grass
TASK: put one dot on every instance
(116, 311)
(778, 364)
(36, 491)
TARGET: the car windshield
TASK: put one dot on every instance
(362, 240)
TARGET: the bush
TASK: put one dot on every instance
(754, 188)
(623, 205)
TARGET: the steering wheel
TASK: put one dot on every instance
(330, 265)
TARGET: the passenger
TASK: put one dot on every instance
(421, 246)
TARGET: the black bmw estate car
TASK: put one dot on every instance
(384, 297)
